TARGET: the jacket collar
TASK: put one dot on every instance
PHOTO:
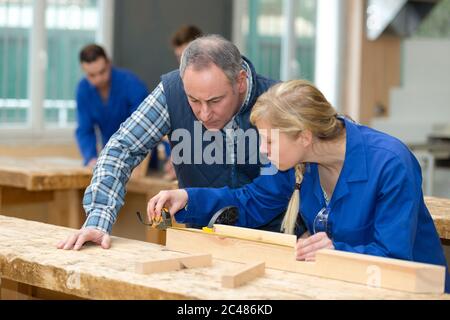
(355, 163)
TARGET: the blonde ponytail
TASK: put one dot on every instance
(290, 218)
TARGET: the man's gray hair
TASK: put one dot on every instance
(212, 49)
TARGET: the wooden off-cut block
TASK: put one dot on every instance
(246, 274)
(173, 264)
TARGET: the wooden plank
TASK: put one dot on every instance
(244, 275)
(282, 239)
(28, 255)
(381, 272)
(173, 264)
(440, 211)
(234, 249)
(395, 274)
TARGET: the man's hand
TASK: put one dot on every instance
(173, 200)
(306, 248)
(84, 235)
(92, 163)
(169, 171)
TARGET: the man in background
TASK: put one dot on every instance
(106, 97)
(180, 40)
(182, 37)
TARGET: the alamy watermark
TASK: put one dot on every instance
(227, 146)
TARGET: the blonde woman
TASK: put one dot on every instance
(358, 190)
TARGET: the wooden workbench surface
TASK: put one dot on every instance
(28, 255)
(38, 174)
(56, 173)
(440, 211)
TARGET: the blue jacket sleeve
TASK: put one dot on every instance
(85, 132)
(137, 92)
(259, 202)
(396, 214)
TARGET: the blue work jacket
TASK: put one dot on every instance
(377, 207)
(126, 94)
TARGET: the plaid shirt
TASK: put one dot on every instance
(124, 151)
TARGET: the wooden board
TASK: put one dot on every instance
(440, 211)
(392, 273)
(28, 255)
(173, 264)
(237, 250)
(381, 272)
(282, 239)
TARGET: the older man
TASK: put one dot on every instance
(211, 96)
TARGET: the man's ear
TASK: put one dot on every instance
(242, 81)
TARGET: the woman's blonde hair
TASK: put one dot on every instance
(292, 107)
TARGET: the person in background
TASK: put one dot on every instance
(182, 37)
(106, 97)
(180, 40)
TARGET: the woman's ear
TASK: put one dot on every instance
(305, 138)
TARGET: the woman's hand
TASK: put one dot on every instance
(306, 248)
(173, 200)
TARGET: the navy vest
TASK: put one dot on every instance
(216, 175)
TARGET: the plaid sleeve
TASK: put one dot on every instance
(125, 150)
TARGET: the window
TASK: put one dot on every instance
(262, 26)
(63, 27)
(70, 24)
(15, 24)
(437, 23)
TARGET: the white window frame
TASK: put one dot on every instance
(329, 49)
(329, 44)
(35, 130)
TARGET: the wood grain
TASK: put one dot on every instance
(28, 255)
(243, 275)
(440, 211)
(356, 268)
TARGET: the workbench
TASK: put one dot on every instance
(50, 190)
(28, 257)
(58, 184)
(440, 211)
